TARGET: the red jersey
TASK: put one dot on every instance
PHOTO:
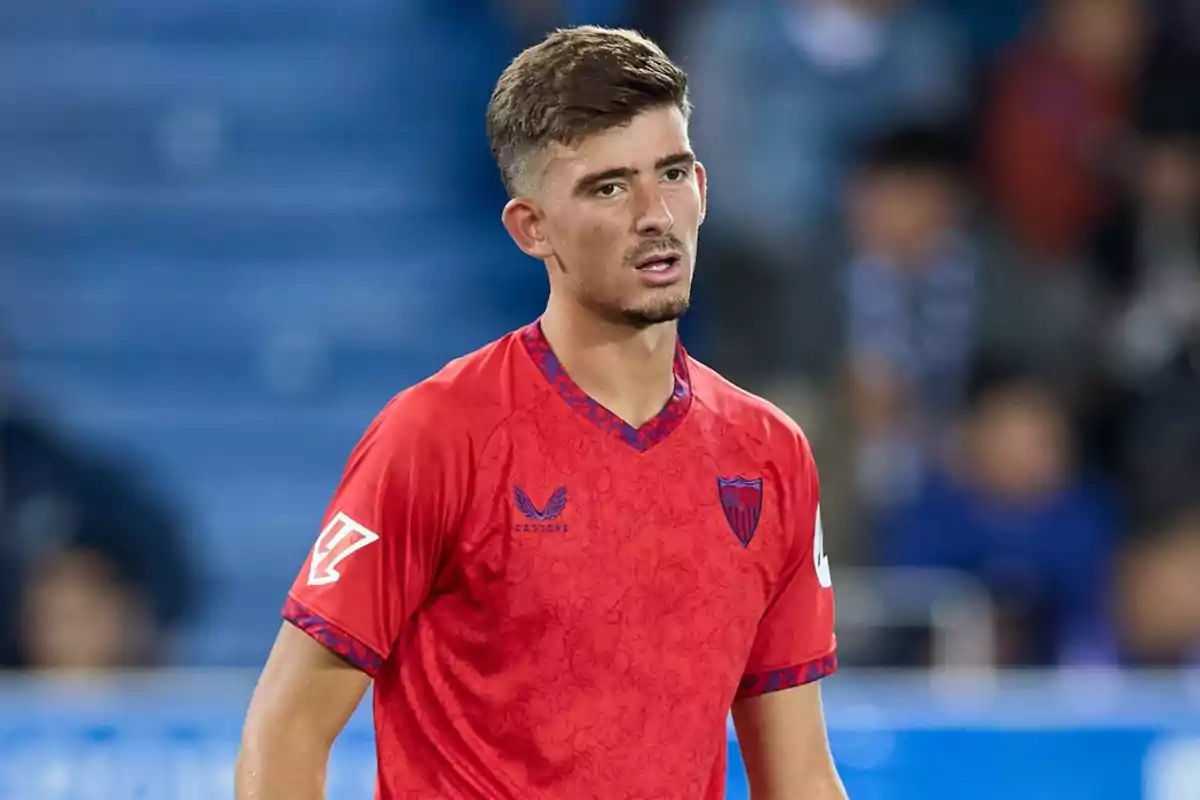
(554, 604)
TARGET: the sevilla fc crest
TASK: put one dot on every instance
(741, 499)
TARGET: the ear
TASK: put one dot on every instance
(702, 185)
(526, 224)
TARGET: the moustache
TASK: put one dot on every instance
(649, 248)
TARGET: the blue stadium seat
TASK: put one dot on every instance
(230, 232)
(174, 19)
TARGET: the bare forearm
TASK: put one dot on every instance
(784, 746)
(302, 701)
(833, 790)
(281, 770)
(824, 788)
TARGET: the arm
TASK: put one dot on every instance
(777, 708)
(302, 701)
(784, 746)
(368, 572)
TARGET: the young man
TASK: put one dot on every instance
(566, 556)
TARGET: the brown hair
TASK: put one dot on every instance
(575, 83)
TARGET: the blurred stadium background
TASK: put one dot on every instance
(959, 241)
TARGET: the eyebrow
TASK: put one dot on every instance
(592, 180)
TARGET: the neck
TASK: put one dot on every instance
(629, 371)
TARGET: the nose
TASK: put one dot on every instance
(654, 217)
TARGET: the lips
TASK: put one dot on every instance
(659, 262)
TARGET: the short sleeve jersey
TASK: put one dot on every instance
(554, 604)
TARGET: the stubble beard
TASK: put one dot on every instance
(671, 304)
(667, 309)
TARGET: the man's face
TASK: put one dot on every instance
(76, 614)
(617, 215)
(904, 214)
(1020, 442)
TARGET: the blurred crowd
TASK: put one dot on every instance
(958, 241)
(962, 240)
(93, 565)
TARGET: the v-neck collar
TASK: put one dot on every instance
(641, 439)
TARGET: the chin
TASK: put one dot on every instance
(658, 312)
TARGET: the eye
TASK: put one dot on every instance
(676, 174)
(607, 190)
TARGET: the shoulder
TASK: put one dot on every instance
(760, 426)
(460, 404)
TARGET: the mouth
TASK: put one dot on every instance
(659, 262)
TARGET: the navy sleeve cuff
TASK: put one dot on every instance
(332, 637)
(786, 677)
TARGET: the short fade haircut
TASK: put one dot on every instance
(575, 83)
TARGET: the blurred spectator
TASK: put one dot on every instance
(1148, 251)
(1146, 258)
(1056, 125)
(786, 91)
(911, 303)
(92, 568)
(1014, 509)
(1161, 437)
(1159, 597)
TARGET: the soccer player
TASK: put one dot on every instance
(564, 558)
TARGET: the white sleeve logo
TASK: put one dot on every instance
(341, 538)
(820, 560)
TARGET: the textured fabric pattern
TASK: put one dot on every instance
(561, 606)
